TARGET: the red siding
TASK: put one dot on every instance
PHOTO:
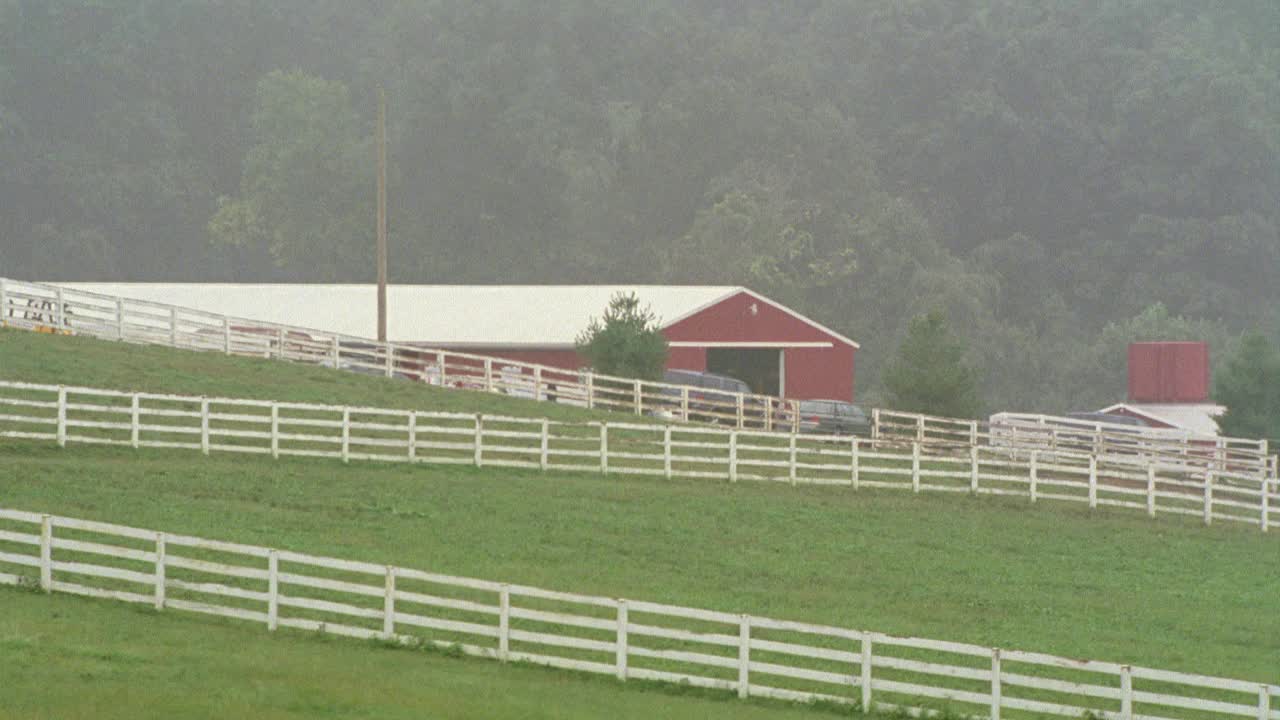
(687, 358)
(820, 373)
(1168, 372)
(810, 372)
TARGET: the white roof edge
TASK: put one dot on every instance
(803, 319)
(740, 289)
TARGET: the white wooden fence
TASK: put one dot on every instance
(51, 308)
(87, 415)
(1198, 453)
(752, 656)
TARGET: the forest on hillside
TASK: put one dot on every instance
(1058, 177)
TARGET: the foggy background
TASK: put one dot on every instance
(1060, 177)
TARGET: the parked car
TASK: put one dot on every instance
(833, 417)
(712, 397)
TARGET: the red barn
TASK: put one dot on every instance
(723, 329)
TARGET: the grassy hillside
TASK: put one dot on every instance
(1059, 579)
(38, 358)
(67, 658)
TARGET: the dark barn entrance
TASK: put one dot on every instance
(761, 368)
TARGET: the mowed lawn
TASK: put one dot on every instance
(60, 360)
(65, 658)
(1055, 578)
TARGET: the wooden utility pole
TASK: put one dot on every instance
(382, 214)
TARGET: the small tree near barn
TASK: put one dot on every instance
(929, 374)
(626, 342)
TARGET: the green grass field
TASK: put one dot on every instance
(1056, 578)
(63, 658)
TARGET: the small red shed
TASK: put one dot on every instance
(1168, 372)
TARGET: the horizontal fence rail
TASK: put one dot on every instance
(67, 415)
(743, 654)
(51, 308)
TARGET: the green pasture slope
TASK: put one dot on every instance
(63, 658)
(1056, 578)
(54, 360)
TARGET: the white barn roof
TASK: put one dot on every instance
(1198, 418)
(449, 315)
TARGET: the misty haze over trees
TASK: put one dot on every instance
(1059, 177)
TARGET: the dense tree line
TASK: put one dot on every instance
(1058, 177)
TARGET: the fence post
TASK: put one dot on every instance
(62, 416)
(226, 337)
(275, 430)
(504, 623)
(413, 435)
(1264, 702)
(479, 456)
(1151, 490)
(638, 397)
(335, 351)
(591, 391)
(279, 343)
(1035, 473)
(744, 657)
(135, 420)
(346, 434)
(795, 416)
(1126, 692)
(120, 318)
(973, 469)
(46, 553)
(768, 416)
(621, 646)
(173, 327)
(443, 366)
(488, 374)
(391, 359)
(684, 404)
(604, 447)
(1264, 523)
(4, 302)
(537, 383)
(1208, 498)
(865, 670)
(733, 456)
(875, 423)
(919, 428)
(741, 416)
(995, 683)
(545, 449)
(853, 463)
(273, 589)
(915, 467)
(666, 453)
(791, 464)
(160, 579)
(389, 604)
(1093, 481)
(204, 425)
(60, 308)
(973, 432)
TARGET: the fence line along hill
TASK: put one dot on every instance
(1183, 486)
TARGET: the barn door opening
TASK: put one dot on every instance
(761, 368)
